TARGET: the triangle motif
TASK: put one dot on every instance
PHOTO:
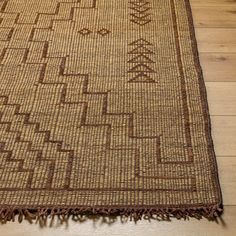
(139, 3)
(141, 70)
(142, 78)
(140, 22)
(141, 58)
(141, 50)
(140, 12)
(139, 16)
(140, 42)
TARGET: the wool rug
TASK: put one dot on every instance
(103, 110)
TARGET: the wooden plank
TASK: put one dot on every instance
(222, 98)
(212, 3)
(192, 227)
(219, 67)
(214, 16)
(224, 135)
(216, 40)
(227, 175)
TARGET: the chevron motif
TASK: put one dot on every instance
(141, 62)
(140, 12)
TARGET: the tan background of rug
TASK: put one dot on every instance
(215, 22)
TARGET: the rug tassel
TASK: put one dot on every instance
(210, 212)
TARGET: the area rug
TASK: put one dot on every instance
(103, 111)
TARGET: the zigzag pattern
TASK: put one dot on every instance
(35, 127)
(140, 14)
(58, 142)
(141, 62)
(27, 124)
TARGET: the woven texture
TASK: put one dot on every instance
(103, 110)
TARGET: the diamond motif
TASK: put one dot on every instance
(85, 31)
(103, 31)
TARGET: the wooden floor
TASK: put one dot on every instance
(215, 22)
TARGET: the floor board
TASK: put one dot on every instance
(227, 174)
(224, 134)
(216, 40)
(219, 67)
(222, 98)
(214, 16)
(218, 3)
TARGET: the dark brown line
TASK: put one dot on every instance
(24, 59)
(2, 55)
(133, 206)
(50, 175)
(10, 34)
(182, 83)
(204, 102)
(100, 189)
(4, 5)
(69, 170)
(94, 3)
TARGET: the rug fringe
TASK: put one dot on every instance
(210, 212)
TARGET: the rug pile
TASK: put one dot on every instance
(103, 110)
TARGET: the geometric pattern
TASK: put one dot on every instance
(140, 14)
(84, 31)
(102, 32)
(103, 109)
(141, 61)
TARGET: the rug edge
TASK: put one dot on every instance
(208, 211)
(204, 98)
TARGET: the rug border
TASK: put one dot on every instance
(209, 211)
(204, 99)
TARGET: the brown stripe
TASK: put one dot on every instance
(182, 83)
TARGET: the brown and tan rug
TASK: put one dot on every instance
(103, 110)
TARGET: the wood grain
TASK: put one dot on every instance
(222, 98)
(218, 3)
(216, 40)
(227, 174)
(209, 16)
(224, 135)
(219, 67)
